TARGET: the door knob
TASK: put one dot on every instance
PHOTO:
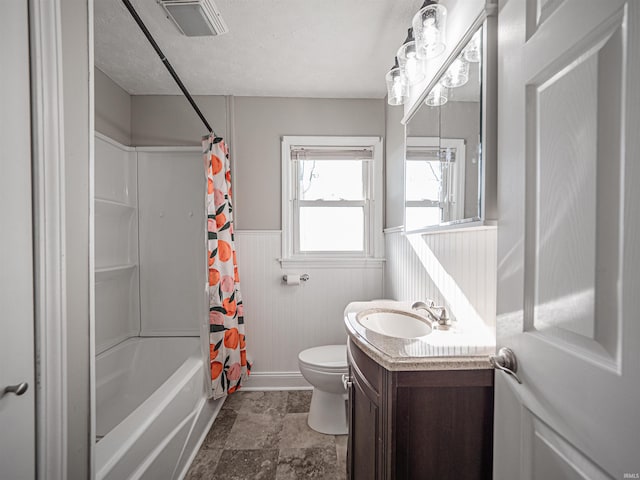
(18, 389)
(506, 361)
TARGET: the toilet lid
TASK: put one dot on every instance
(328, 356)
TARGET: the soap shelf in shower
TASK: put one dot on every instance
(104, 271)
(114, 203)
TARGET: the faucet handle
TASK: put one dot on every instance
(442, 308)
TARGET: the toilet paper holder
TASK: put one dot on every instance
(303, 278)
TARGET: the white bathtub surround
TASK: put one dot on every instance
(284, 320)
(155, 430)
(171, 209)
(148, 224)
(456, 269)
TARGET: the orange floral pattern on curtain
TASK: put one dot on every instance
(227, 342)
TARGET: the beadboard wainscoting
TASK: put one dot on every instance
(456, 269)
(281, 320)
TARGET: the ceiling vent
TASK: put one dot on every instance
(195, 18)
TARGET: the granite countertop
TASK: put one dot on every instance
(466, 346)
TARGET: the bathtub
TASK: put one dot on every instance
(151, 410)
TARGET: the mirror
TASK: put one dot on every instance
(443, 146)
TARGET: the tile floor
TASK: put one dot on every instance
(264, 435)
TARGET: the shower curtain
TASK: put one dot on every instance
(227, 342)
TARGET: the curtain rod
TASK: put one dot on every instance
(173, 73)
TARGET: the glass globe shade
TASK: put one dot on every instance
(429, 30)
(411, 66)
(471, 52)
(437, 96)
(457, 74)
(396, 87)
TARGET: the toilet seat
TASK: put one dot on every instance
(327, 358)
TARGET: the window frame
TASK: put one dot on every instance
(372, 252)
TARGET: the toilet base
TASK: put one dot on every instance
(328, 413)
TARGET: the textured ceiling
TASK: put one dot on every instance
(292, 48)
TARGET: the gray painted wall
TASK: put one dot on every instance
(258, 123)
(112, 109)
(76, 102)
(158, 120)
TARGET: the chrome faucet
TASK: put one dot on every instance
(437, 313)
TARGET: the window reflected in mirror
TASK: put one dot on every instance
(443, 162)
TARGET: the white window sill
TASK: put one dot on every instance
(454, 226)
(331, 262)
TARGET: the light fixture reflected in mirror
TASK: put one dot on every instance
(471, 52)
(429, 28)
(410, 65)
(396, 85)
(457, 74)
(437, 96)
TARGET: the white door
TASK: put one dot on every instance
(569, 239)
(17, 409)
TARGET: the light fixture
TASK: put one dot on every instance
(396, 85)
(195, 18)
(471, 52)
(410, 65)
(437, 96)
(457, 74)
(429, 28)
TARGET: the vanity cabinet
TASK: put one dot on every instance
(365, 444)
(407, 425)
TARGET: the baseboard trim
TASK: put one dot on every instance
(261, 381)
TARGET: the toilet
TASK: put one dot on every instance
(323, 367)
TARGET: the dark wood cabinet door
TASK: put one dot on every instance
(443, 432)
(364, 433)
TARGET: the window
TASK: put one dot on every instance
(330, 188)
(434, 181)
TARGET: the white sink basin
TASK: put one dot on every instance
(394, 323)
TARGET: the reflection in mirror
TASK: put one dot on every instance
(443, 147)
